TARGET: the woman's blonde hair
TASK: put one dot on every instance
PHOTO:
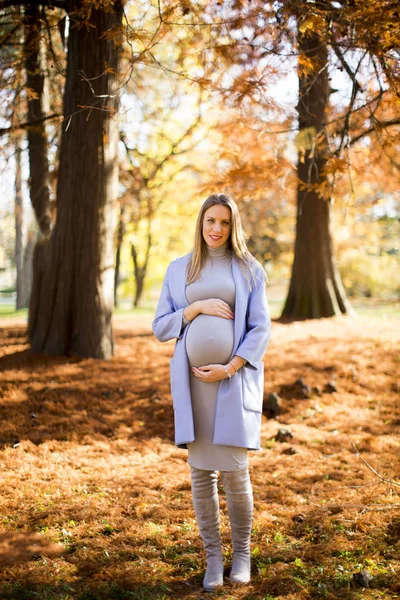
(236, 241)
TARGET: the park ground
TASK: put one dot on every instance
(95, 498)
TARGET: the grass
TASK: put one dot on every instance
(376, 309)
(8, 310)
(95, 499)
(368, 307)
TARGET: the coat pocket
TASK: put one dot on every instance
(253, 388)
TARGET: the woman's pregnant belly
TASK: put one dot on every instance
(209, 340)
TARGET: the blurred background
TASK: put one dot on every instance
(217, 99)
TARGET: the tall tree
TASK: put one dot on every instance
(19, 243)
(39, 184)
(119, 241)
(71, 302)
(315, 287)
(256, 41)
(326, 31)
(72, 296)
(31, 238)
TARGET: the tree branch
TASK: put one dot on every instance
(9, 34)
(175, 145)
(391, 481)
(373, 128)
(346, 66)
(356, 87)
(5, 130)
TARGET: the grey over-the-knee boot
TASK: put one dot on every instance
(239, 500)
(206, 507)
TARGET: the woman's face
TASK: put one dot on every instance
(217, 225)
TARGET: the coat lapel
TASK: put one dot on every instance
(178, 287)
(242, 292)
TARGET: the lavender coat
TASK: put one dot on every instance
(239, 401)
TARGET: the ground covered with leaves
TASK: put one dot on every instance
(95, 498)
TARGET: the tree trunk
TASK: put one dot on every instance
(72, 297)
(39, 184)
(315, 288)
(140, 271)
(120, 239)
(19, 218)
(28, 264)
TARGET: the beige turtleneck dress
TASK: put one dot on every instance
(210, 340)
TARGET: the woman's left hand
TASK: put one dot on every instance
(209, 373)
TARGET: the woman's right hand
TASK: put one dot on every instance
(212, 306)
(216, 308)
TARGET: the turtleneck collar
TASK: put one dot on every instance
(218, 252)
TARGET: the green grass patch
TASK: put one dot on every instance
(8, 310)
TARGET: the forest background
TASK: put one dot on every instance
(116, 121)
(215, 97)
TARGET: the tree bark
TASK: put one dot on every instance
(28, 264)
(72, 297)
(315, 289)
(19, 219)
(140, 271)
(120, 239)
(39, 184)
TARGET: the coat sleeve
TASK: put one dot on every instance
(258, 325)
(168, 322)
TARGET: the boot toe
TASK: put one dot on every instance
(240, 572)
(214, 576)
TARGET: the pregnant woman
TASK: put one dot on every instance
(213, 302)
